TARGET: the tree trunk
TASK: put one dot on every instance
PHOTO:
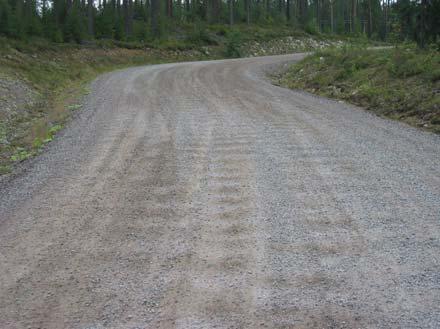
(126, 15)
(68, 5)
(212, 11)
(155, 7)
(90, 18)
(195, 7)
(147, 9)
(231, 12)
(386, 5)
(170, 8)
(187, 7)
(370, 20)
(303, 12)
(130, 16)
(422, 39)
(288, 10)
(353, 15)
(118, 8)
(178, 11)
(332, 24)
(318, 19)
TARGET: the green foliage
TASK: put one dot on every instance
(38, 143)
(200, 36)
(54, 129)
(311, 27)
(20, 155)
(66, 20)
(400, 83)
(6, 18)
(5, 169)
(417, 21)
(74, 107)
(233, 44)
(408, 62)
(74, 29)
(105, 23)
(140, 31)
(119, 33)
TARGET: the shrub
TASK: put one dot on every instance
(233, 41)
(200, 36)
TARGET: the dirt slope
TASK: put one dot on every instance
(198, 195)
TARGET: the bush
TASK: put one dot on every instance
(405, 63)
(311, 27)
(233, 41)
(200, 36)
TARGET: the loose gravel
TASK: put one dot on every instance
(198, 195)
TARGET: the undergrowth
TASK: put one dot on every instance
(400, 83)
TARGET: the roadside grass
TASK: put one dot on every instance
(401, 83)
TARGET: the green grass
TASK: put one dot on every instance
(401, 83)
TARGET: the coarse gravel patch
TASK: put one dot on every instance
(199, 195)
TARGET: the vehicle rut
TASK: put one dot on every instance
(199, 195)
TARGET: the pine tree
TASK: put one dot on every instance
(6, 17)
(74, 27)
(155, 16)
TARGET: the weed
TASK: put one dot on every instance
(5, 169)
(54, 129)
(38, 143)
(74, 107)
(20, 155)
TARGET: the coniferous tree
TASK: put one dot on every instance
(6, 18)
(74, 20)
(155, 15)
(90, 18)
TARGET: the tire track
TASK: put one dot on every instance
(198, 195)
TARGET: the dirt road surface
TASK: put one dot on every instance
(198, 195)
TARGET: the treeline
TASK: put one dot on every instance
(141, 20)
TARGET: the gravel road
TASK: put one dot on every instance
(198, 195)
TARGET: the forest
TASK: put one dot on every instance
(145, 20)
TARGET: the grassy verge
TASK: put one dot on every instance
(401, 83)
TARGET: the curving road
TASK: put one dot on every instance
(198, 195)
